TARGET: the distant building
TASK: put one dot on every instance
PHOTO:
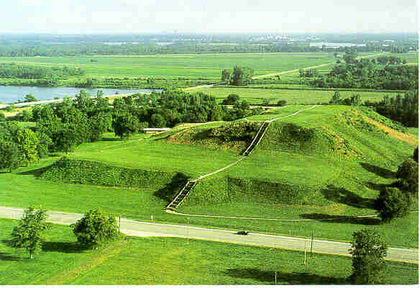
(155, 130)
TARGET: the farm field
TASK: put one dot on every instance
(192, 66)
(172, 261)
(290, 95)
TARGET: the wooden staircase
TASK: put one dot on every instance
(257, 138)
(181, 195)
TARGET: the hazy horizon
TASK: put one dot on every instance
(202, 17)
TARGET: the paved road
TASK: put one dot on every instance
(152, 229)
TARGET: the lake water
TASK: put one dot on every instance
(11, 94)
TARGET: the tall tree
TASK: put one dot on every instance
(29, 232)
(368, 251)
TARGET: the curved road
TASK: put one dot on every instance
(152, 229)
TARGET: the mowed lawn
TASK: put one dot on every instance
(291, 96)
(180, 65)
(173, 261)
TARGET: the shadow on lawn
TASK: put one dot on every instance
(8, 257)
(342, 219)
(341, 195)
(382, 172)
(376, 186)
(63, 247)
(284, 278)
(172, 188)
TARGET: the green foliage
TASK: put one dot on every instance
(368, 251)
(231, 99)
(365, 73)
(403, 109)
(46, 76)
(416, 155)
(95, 229)
(241, 76)
(125, 125)
(392, 203)
(225, 76)
(9, 155)
(408, 174)
(95, 173)
(27, 143)
(30, 98)
(29, 232)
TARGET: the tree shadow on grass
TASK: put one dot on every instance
(36, 172)
(8, 257)
(342, 219)
(172, 188)
(284, 278)
(62, 247)
(376, 186)
(341, 195)
(382, 172)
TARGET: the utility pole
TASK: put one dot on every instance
(312, 241)
(188, 230)
(119, 224)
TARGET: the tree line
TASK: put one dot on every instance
(386, 72)
(62, 126)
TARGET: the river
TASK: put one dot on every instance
(11, 94)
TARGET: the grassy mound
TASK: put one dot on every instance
(301, 157)
(236, 135)
(95, 173)
(227, 189)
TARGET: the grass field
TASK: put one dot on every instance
(293, 97)
(181, 65)
(171, 261)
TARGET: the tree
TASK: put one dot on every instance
(125, 124)
(157, 120)
(30, 98)
(95, 229)
(241, 76)
(392, 203)
(336, 98)
(225, 76)
(368, 251)
(231, 99)
(281, 103)
(416, 155)
(9, 155)
(408, 173)
(29, 232)
(27, 142)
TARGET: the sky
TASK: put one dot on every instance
(139, 16)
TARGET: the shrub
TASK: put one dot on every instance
(392, 203)
(95, 229)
